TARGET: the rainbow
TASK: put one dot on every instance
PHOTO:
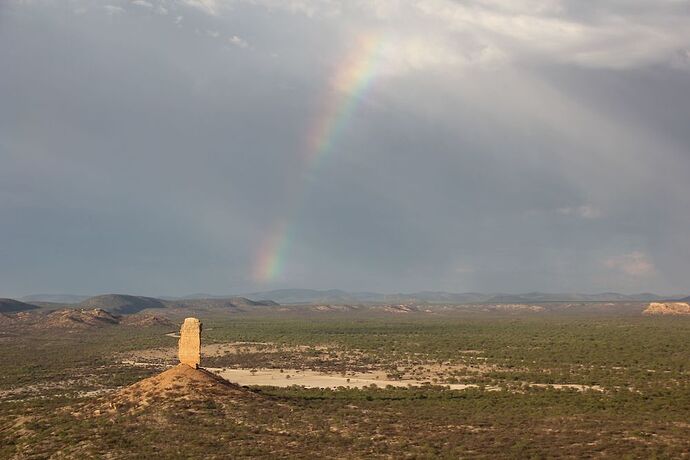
(349, 84)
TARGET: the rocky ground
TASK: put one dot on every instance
(668, 308)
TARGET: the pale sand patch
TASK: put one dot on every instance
(568, 386)
(313, 379)
(316, 379)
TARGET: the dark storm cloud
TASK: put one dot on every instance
(149, 147)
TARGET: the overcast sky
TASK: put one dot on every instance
(156, 146)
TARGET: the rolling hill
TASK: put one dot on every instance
(127, 304)
(55, 298)
(13, 306)
(220, 303)
(121, 304)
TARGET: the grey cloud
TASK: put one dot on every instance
(142, 154)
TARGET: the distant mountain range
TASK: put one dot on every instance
(121, 309)
(127, 304)
(124, 304)
(335, 296)
(121, 304)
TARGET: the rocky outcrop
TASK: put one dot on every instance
(190, 343)
(667, 308)
(77, 319)
(67, 319)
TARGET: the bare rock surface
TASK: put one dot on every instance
(79, 318)
(668, 308)
(189, 350)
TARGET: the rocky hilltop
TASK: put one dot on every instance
(81, 318)
(668, 308)
(77, 319)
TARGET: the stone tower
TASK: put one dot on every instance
(190, 342)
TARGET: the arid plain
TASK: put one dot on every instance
(541, 380)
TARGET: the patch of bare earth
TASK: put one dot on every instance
(181, 382)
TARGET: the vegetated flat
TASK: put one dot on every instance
(534, 385)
